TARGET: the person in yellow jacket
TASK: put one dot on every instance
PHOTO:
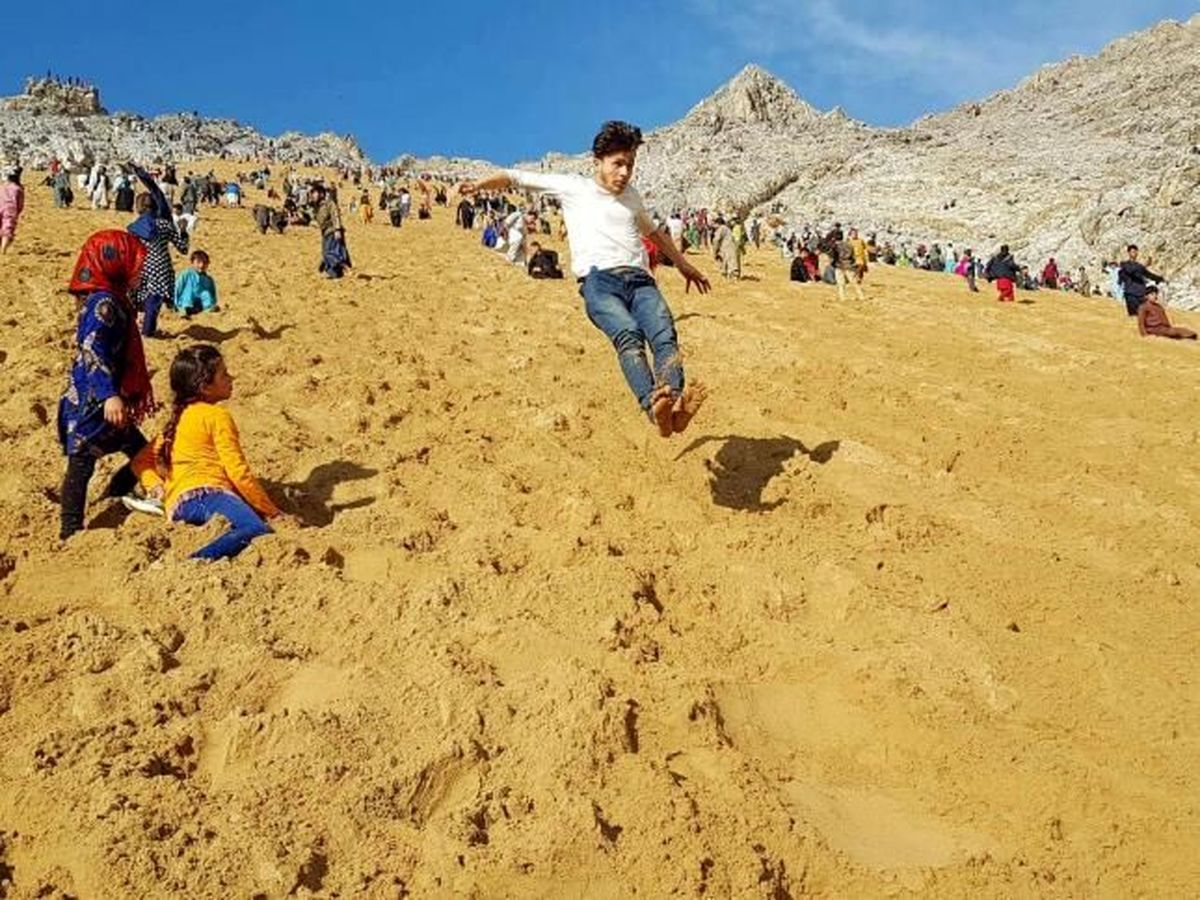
(861, 255)
(197, 462)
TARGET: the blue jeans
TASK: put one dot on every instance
(150, 308)
(626, 305)
(244, 523)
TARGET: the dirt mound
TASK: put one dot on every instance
(909, 610)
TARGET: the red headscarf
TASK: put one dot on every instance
(111, 261)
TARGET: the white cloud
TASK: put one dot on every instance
(946, 51)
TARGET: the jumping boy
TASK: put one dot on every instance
(605, 220)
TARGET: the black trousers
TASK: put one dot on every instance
(81, 467)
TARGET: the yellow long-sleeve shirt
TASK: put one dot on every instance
(859, 246)
(206, 454)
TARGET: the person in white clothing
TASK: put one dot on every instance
(675, 228)
(520, 225)
(605, 221)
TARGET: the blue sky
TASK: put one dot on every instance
(507, 82)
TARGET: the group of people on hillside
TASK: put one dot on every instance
(513, 231)
(848, 258)
(195, 468)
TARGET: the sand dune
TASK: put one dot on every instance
(912, 609)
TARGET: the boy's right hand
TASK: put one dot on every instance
(114, 412)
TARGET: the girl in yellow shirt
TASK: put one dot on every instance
(200, 459)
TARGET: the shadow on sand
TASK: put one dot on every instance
(209, 335)
(744, 466)
(310, 499)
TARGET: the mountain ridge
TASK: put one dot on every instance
(1076, 160)
(52, 118)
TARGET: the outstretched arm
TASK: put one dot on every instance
(497, 182)
(162, 209)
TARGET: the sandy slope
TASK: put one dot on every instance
(914, 608)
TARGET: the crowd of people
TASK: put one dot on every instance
(195, 468)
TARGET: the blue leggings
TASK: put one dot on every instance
(244, 523)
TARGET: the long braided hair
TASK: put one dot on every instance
(192, 370)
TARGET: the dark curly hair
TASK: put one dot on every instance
(616, 137)
(193, 369)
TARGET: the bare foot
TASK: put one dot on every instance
(661, 403)
(688, 405)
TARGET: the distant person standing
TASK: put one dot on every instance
(847, 270)
(726, 250)
(861, 257)
(464, 215)
(1083, 284)
(123, 196)
(1133, 277)
(1050, 275)
(1004, 271)
(63, 195)
(967, 269)
(12, 204)
(675, 228)
(155, 227)
(100, 187)
(335, 258)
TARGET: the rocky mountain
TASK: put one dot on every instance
(1075, 162)
(54, 118)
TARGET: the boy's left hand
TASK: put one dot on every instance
(692, 275)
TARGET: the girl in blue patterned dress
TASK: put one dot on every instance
(109, 390)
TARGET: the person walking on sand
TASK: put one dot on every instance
(605, 220)
(1133, 277)
(845, 271)
(726, 250)
(12, 204)
(335, 258)
(1003, 270)
(108, 392)
(858, 247)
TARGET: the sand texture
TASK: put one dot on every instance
(912, 610)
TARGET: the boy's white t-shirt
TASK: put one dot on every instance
(604, 229)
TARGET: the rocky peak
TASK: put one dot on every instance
(753, 96)
(54, 96)
(64, 119)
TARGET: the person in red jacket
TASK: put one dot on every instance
(1050, 275)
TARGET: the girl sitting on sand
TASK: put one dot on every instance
(200, 459)
(109, 388)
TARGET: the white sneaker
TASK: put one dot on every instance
(149, 505)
